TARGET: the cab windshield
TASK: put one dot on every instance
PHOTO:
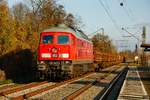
(63, 39)
(47, 39)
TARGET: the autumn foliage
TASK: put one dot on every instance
(102, 43)
(20, 25)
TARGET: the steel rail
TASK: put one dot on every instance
(78, 92)
(106, 91)
(86, 87)
(22, 88)
(39, 91)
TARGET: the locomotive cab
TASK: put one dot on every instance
(54, 47)
(63, 51)
(54, 55)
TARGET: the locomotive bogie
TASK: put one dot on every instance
(51, 69)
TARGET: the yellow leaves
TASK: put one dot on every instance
(103, 43)
(18, 25)
(4, 10)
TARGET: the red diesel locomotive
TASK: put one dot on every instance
(64, 51)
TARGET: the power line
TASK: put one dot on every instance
(107, 12)
(127, 11)
(107, 5)
(130, 11)
(96, 31)
(131, 34)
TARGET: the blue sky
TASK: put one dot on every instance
(132, 16)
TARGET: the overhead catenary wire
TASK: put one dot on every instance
(96, 31)
(110, 16)
(127, 13)
(130, 11)
(126, 9)
(107, 6)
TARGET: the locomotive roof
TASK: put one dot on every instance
(64, 28)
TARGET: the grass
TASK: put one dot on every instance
(6, 82)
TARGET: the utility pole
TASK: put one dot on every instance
(143, 57)
(137, 45)
(97, 31)
(144, 35)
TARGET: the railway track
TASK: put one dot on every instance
(97, 90)
(6, 87)
(13, 91)
(115, 85)
(21, 92)
(67, 90)
(75, 89)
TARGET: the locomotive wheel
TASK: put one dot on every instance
(41, 75)
(66, 75)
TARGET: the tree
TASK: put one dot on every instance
(5, 28)
(103, 43)
(19, 12)
(20, 27)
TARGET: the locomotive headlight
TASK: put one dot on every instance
(64, 55)
(41, 66)
(46, 55)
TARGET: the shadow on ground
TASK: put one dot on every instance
(18, 66)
